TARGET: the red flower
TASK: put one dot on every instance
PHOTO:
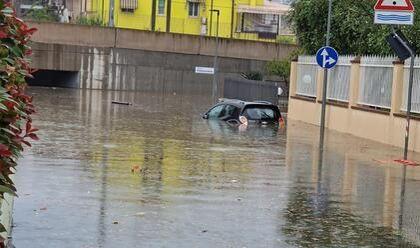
(4, 151)
(3, 34)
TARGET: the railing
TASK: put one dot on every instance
(415, 97)
(376, 81)
(339, 80)
(307, 69)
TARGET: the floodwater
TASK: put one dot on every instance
(154, 174)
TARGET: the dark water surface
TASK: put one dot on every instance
(155, 174)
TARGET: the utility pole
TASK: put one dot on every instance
(216, 54)
(324, 86)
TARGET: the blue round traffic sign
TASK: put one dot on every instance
(327, 57)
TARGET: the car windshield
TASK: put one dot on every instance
(266, 113)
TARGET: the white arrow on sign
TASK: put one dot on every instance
(326, 61)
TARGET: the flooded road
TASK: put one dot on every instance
(155, 174)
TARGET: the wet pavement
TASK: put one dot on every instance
(155, 174)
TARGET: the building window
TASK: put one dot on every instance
(265, 25)
(161, 7)
(193, 9)
(128, 5)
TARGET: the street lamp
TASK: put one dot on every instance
(214, 90)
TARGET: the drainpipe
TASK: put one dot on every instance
(153, 20)
(111, 13)
(81, 7)
(168, 16)
(211, 16)
(103, 11)
(232, 18)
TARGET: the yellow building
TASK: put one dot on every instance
(239, 19)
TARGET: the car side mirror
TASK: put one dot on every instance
(205, 116)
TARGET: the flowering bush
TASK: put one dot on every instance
(15, 106)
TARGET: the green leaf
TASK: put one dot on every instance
(5, 189)
(9, 60)
(3, 107)
(16, 51)
(8, 131)
(2, 228)
(2, 90)
(7, 11)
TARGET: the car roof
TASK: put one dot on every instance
(241, 103)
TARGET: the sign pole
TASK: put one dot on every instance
(410, 93)
(410, 90)
(324, 86)
(216, 54)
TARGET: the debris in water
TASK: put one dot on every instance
(381, 161)
(407, 162)
(399, 161)
(140, 214)
(204, 231)
(136, 169)
(115, 222)
(43, 209)
(122, 103)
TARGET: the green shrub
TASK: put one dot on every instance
(253, 75)
(279, 68)
(286, 39)
(43, 14)
(15, 106)
(90, 20)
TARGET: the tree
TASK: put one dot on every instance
(352, 28)
(279, 68)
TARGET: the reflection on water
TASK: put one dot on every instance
(200, 183)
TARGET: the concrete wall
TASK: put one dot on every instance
(383, 126)
(93, 36)
(130, 69)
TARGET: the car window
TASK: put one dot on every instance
(231, 110)
(260, 113)
(216, 112)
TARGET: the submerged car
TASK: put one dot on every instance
(240, 112)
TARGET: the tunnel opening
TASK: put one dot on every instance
(54, 78)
